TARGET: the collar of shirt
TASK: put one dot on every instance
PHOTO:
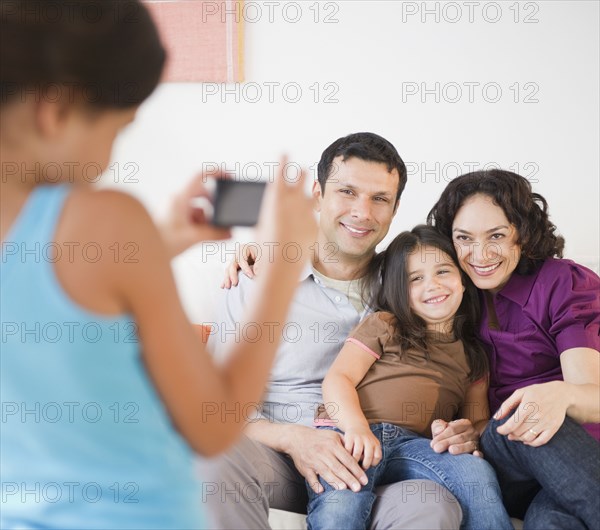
(518, 288)
(306, 272)
(309, 274)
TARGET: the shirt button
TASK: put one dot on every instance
(338, 299)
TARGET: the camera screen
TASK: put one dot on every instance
(237, 203)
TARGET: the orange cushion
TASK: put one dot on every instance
(203, 331)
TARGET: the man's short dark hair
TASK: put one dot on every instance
(365, 146)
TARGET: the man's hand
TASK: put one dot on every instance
(456, 437)
(320, 452)
(245, 260)
(286, 217)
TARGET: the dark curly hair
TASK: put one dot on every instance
(526, 210)
(386, 288)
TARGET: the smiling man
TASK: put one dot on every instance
(358, 192)
(360, 180)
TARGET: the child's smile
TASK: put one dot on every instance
(435, 286)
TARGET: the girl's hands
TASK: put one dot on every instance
(539, 411)
(363, 445)
(186, 225)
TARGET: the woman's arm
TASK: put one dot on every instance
(476, 407)
(340, 396)
(573, 308)
(572, 319)
(581, 371)
(541, 408)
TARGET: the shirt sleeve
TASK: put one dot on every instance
(574, 308)
(372, 334)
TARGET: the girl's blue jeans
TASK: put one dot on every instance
(406, 456)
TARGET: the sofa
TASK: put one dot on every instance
(198, 274)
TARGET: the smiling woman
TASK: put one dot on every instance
(540, 322)
(488, 255)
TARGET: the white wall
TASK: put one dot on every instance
(372, 54)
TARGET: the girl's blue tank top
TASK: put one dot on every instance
(86, 441)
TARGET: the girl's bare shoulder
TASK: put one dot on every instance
(111, 243)
(103, 214)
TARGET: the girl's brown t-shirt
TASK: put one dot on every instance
(413, 390)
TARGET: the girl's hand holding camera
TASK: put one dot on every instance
(285, 204)
(187, 225)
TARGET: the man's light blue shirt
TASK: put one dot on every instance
(319, 320)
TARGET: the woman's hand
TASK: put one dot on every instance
(363, 445)
(456, 437)
(539, 411)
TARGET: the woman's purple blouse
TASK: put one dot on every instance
(540, 316)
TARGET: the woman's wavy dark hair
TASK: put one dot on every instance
(386, 288)
(526, 210)
(105, 53)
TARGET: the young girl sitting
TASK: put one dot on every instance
(106, 388)
(413, 360)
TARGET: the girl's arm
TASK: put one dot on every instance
(206, 403)
(476, 409)
(462, 435)
(542, 408)
(341, 398)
